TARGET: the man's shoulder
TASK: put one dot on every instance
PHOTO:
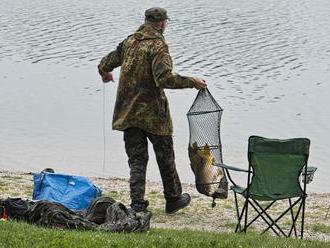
(160, 45)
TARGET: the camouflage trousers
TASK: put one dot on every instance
(136, 145)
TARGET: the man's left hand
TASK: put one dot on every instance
(200, 83)
(107, 77)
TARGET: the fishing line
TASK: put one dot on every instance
(104, 136)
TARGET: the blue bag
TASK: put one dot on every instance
(74, 192)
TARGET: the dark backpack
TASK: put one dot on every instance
(97, 210)
(15, 207)
(53, 214)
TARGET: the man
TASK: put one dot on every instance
(141, 109)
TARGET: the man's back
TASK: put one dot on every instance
(140, 102)
(146, 70)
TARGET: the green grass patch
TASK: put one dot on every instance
(310, 214)
(28, 191)
(230, 225)
(321, 228)
(12, 177)
(113, 193)
(3, 184)
(13, 234)
(15, 194)
(228, 205)
(3, 189)
(158, 215)
(155, 195)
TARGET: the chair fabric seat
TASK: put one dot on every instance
(265, 197)
(238, 189)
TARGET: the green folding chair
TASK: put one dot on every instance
(275, 167)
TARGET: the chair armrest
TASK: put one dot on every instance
(311, 169)
(309, 175)
(230, 167)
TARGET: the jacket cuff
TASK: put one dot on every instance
(102, 71)
(190, 82)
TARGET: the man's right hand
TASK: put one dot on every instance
(199, 83)
(107, 77)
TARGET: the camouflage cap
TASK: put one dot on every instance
(156, 14)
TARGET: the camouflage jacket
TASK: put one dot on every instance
(146, 70)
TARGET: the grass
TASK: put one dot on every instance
(153, 195)
(13, 234)
(113, 193)
(229, 205)
(28, 190)
(12, 177)
(321, 228)
(2, 184)
(231, 225)
(15, 194)
(3, 189)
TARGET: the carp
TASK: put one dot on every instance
(207, 176)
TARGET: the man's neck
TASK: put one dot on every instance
(154, 26)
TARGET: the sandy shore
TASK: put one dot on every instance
(198, 216)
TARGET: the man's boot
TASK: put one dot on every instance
(173, 205)
(140, 206)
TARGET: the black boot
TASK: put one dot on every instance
(173, 205)
(140, 206)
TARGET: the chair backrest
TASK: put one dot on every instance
(276, 166)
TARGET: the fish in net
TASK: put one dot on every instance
(205, 150)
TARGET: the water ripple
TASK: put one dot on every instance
(235, 41)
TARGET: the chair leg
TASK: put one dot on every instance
(293, 220)
(246, 215)
(238, 226)
(303, 217)
(240, 217)
(284, 213)
(260, 214)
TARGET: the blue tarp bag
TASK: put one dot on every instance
(74, 192)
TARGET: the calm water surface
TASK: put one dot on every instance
(267, 64)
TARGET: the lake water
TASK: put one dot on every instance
(267, 63)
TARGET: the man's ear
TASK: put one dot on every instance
(163, 24)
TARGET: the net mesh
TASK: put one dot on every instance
(205, 150)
